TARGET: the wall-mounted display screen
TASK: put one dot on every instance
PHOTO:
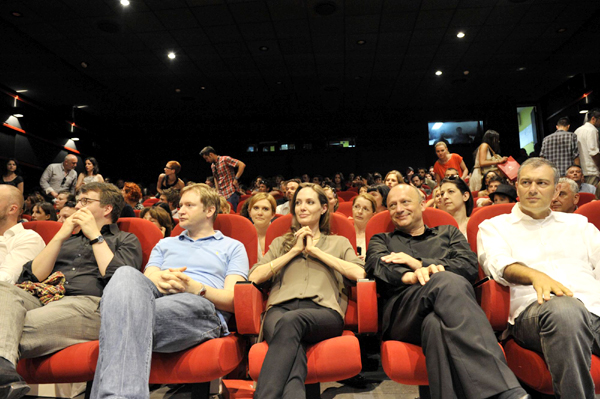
(462, 132)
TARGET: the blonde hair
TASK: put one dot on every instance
(369, 198)
(208, 196)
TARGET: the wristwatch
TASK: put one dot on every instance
(202, 291)
(97, 240)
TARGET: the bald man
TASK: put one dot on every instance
(60, 177)
(17, 245)
(424, 275)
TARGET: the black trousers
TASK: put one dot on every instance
(462, 354)
(287, 328)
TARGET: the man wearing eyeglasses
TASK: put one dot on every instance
(88, 249)
(60, 177)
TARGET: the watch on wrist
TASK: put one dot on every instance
(97, 240)
(202, 291)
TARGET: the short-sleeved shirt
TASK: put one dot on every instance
(454, 162)
(560, 148)
(14, 182)
(587, 142)
(223, 170)
(17, 246)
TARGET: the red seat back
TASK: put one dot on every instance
(591, 211)
(585, 198)
(149, 202)
(45, 228)
(483, 213)
(345, 208)
(137, 212)
(26, 217)
(240, 206)
(147, 233)
(347, 195)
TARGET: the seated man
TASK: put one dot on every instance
(184, 298)
(504, 194)
(418, 183)
(292, 186)
(566, 196)
(170, 196)
(537, 253)
(88, 259)
(451, 172)
(493, 185)
(17, 244)
(576, 174)
(62, 198)
(424, 275)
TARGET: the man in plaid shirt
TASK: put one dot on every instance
(224, 174)
(560, 147)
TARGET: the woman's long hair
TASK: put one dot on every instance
(491, 138)
(96, 169)
(324, 222)
(463, 188)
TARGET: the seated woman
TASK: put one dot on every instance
(363, 209)
(332, 198)
(261, 209)
(90, 175)
(132, 195)
(170, 178)
(43, 211)
(160, 218)
(393, 178)
(224, 206)
(380, 193)
(30, 201)
(457, 201)
(338, 182)
(436, 199)
(307, 302)
(11, 176)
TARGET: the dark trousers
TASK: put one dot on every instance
(234, 200)
(462, 354)
(567, 334)
(287, 328)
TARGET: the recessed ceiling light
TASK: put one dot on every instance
(521, 69)
(177, 90)
(16, 14)
(466, 72)
(125, 2)
(361, 42)
(84, 64)
(21, 91)
(263, 48)
(438, 73)
(202, 88)
(460, 35)
(171, 55)
(561, 30)
(75, 138)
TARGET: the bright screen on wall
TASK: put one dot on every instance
(462, 132)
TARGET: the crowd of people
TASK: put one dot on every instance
(423, 274)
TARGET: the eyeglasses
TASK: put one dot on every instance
(84, 201)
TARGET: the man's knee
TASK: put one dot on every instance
(564, 313)
(451, 284)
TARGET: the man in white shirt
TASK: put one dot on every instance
(17, 245)
(550, 260)
(566, 196)
(587, 142)
(291, 188)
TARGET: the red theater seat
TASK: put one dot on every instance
(149, 202)
(585, 198)
(345, 208)
(347, 195)
(45, 228)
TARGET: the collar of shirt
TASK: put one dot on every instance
(593, 127)
(517, 215)
(185, 236)
(428, 231)
(13, 231)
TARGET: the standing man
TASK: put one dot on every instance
(587, 142)
(17, 244)
(560, 147)
(59, 177)
(424, 275)
(87, 249)
(550, 261)
(183, 298)
(224, 173)
(292, 186)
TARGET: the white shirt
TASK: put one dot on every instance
(587, 142)
(17, 247)
(283, 209)
(564, 246)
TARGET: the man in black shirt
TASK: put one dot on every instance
(424, 275)
(87, 249)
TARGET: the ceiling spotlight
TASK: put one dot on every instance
(75, 138)
(583, 111)
(84, 64)
(21, 91)
(18, 115)
(125, 2)
(438, 73)
(521, 69)
(466, 73)
(16, 14)
(177, 90)
(171, 55)
(81, 106)
(202, 88)
(361, 42)
(263, 48)
(460, 35)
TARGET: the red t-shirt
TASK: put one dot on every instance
(454, 162)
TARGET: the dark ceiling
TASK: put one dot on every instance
(286, 60)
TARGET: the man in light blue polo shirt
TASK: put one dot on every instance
(184, 297)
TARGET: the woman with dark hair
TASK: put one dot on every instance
(10, 175)
(380, 193)
(310, 261)
(43, 211)
(393, 178)
(486, 158)
(338, 182)
(30, 201)
(160, 218)
(261, 209)
(90, 175)
(170, 178)
(457, 201)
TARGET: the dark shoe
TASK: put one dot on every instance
(358, 382)
(12, 385)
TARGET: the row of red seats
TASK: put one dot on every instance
(330, 360)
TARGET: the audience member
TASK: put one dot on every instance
(87, 259)
(504, 194)
(306, 178)
(451, 173)
(224, 206)
(458, 201)
(377, 178)
(379, 193)
(296, 264)
(160, 218)
(418, 183)
(166, 208)
(424, 277)
(62, 198)
(317, 179)
(566, 196)
(132, 195)
(225, 176)
(170, 196)
(426, 178)
(91, 173)
(292, 186)
(575, 173)
(43, 211)
(30, 201)
(261, 210)
(486, 181)
(332, 199)
(447, 160)
(493, 184)
(60, 176)
(169, 179)
(393, 178)
(11, 176)
(549, 261)
(186, 294)
(560, 147)
(486, 158)
(363, 209)
(587, 143)
(436, 199)
(67, 210)
(17, 244)
(339, 183)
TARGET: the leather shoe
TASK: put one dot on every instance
(12, 385)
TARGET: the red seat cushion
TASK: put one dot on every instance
(330, 360)
(404, 363)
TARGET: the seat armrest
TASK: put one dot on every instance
(248, 302)
(495, 302)
(366, 301)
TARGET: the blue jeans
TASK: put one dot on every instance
(234, 200)
(566, 333)
(136, 319)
